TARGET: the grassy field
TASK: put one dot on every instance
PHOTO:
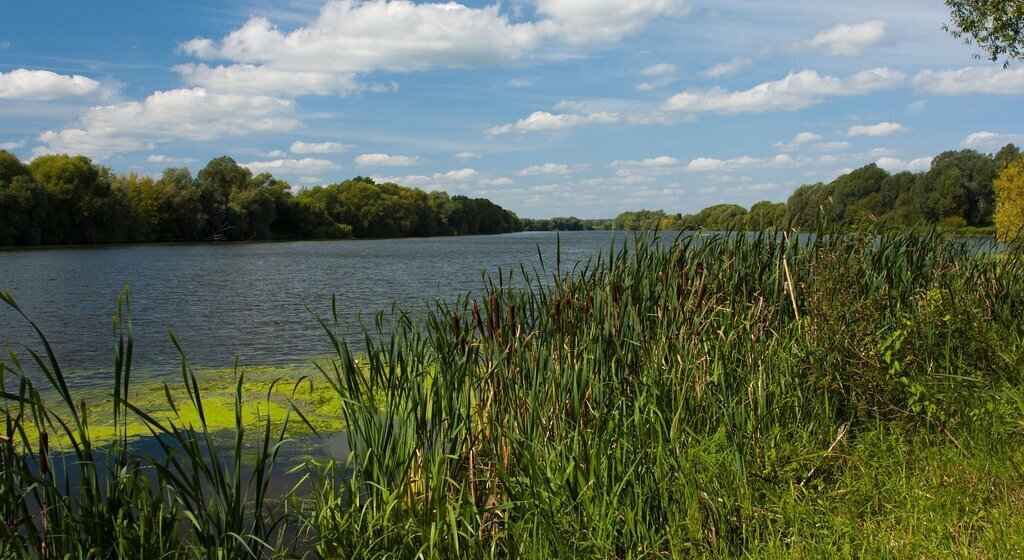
(760, 396)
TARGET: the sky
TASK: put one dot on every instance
(547, 107)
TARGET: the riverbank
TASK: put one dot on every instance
(851, 397)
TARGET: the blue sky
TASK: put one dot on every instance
(547, 107)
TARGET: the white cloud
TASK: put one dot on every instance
(13, 145)
(795, 91)
(304, 166)
(466, 155)
(496, 182)
(277, 154)
(882, 152)
(300, 147)
(660, 161)
(799, 140)
(844, 39)
(160, 158)
(582, 21)
(247, 78)
(520, 83)
(726, 68)
(309, 181)
(543, 121)
(550, 169)
(706, 164)
(991, 140)
(850, 40)
(894, 164)
(180, 114)
(880, 129)
(351, 36)
(385, 160)
(458, 175)
(662, 69)
(971, 80)
(43, 85)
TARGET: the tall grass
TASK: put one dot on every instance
(767, 395)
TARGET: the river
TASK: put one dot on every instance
(258, 301)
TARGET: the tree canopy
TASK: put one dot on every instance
(1009, 194)
(995, 26)
(60, 199)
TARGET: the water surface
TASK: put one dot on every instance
(249, 300)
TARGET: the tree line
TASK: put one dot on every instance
(62, 199)
(956, 192)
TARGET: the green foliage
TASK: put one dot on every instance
(956, 191)
(1009, 187)
(62, 199)
(996, 26)
(722, 395)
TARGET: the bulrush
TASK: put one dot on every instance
(457, 331)
(479, 321)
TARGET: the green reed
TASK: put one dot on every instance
(765, 395)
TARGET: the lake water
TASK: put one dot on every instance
(250, 300)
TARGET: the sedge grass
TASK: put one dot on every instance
(761, 395)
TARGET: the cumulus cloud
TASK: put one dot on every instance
(304, 166)
(707, 164)
(160, 158)
(496, 182)
(12, 145)
(466, 155)
(726, 68)
(656, 70)
(850, 40)
(248, 78)
(844, 39)
(43, 85)
(880, 129)
(349, 37)
(971, 80)
(300, 147)
(894, 164)
(550, 169)
(581, 22)
(991, 140)
(795, 91)
(385, 160)
(180, 114)
(800, 139)
(457, 175)
(544, 121)
(660, 161)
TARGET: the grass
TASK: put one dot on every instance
(750, 395)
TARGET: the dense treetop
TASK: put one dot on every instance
(957, 191)
(60, 199)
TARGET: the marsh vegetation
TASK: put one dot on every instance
(764, 395)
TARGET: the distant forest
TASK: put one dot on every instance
(61, 199)
(956, 192)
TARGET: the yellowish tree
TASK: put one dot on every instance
(1009, 191)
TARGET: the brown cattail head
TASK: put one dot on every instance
(556, 309)
(492, 319)
(457, 329)
(479, 321)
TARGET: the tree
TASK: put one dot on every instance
(996, 26)
(1009, 187)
